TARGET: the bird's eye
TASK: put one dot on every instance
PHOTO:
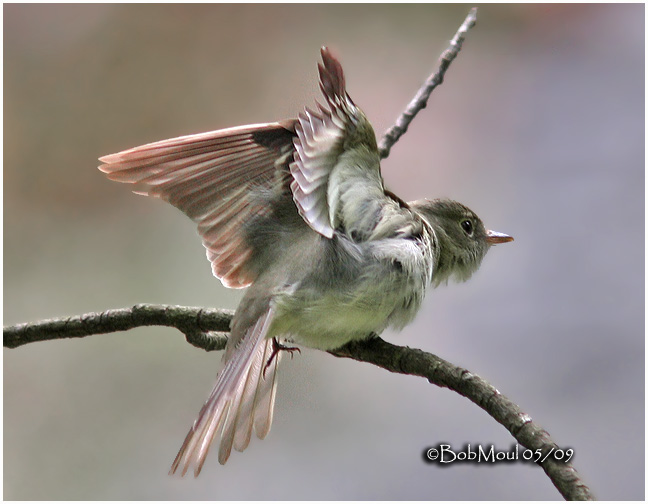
(467, 226)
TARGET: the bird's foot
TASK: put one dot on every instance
(276, 348)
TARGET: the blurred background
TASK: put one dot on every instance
(539, 127)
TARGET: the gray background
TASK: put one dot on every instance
(539, 128)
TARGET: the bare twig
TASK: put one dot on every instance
(419, 102)
(199, 325)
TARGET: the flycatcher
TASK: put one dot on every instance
(297, 211)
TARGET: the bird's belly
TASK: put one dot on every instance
(332, 320)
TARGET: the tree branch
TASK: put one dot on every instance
(419, 102)
(206, 328)
(437, 371)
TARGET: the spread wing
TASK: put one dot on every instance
(211, 177)
(336, 144)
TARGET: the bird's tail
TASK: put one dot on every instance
(242, 399)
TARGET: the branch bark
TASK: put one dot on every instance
(204, 328)
(207, 329)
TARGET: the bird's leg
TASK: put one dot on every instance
(276, 348)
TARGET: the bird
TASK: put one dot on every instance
(297, 212)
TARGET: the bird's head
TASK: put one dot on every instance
(461, 237)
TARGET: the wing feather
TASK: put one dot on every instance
(323, 139)
(211, 177)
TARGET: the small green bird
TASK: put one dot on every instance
(297, 211)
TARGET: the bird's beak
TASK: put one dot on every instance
(493, 237)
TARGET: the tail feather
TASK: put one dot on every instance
(252, 397)
(266, 398)
(242, 393)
